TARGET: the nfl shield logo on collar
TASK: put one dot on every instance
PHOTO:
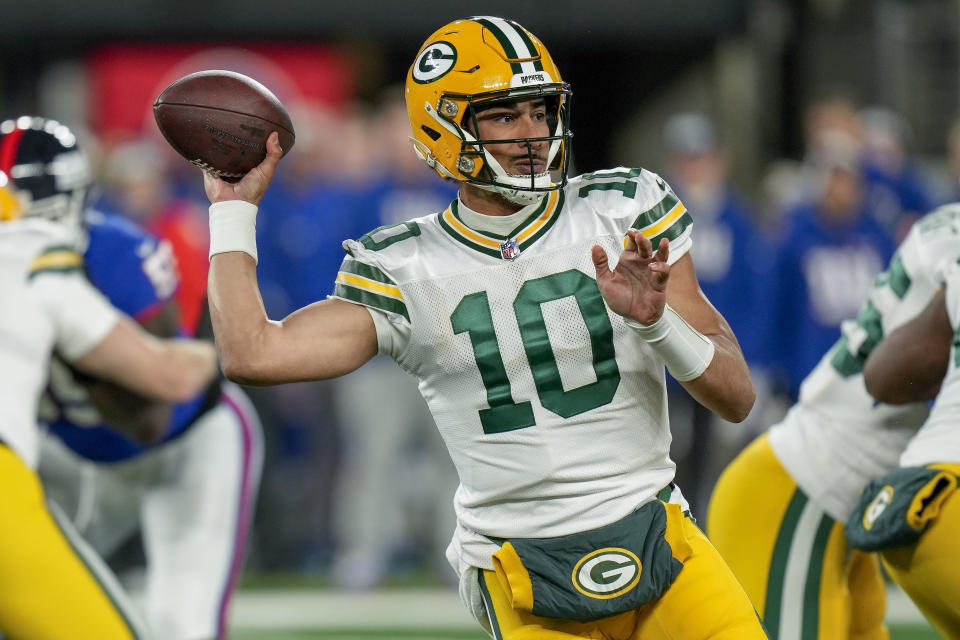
(509, 249)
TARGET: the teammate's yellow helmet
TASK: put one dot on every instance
(476, 61)
(10, 207)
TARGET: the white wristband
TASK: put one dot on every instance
(686, 352)
(233, 227)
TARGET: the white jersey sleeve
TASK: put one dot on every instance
(81, 315)
(639, 199)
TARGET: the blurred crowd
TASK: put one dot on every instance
(362, 499)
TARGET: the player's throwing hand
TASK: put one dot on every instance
(637, 287)
(253, 185)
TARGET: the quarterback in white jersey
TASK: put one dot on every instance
(911, 514)
(828, 447)
(542, 366)
(50, 305)
(595, 442)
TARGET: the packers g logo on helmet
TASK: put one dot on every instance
(606, 573)
(434, 62)
(476, 62)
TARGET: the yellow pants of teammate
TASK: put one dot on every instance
(791, 557)
(704, 602)
(52, 586)
(929, 570)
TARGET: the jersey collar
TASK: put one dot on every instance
(543, 216)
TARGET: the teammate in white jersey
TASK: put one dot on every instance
(911, 515)
(54, 587)
(543, 368)
(778, 512)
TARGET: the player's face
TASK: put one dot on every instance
(515, 120)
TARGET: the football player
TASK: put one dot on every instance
(911, 514)
(54, 585)
(543, 368)
(786, 543)
(189, 493)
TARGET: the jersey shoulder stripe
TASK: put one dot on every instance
(622, 192)
(55, 259)
(668, 219)
(367, 285)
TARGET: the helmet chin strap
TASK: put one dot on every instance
(517, 196)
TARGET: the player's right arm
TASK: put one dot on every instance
(908, 365)
(323, 340)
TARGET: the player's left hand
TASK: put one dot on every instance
(253, 185)
(637, 287)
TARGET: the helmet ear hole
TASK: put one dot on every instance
(433, 133)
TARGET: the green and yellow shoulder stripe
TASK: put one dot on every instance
(667, 219)
(55, 259)
(368, 285)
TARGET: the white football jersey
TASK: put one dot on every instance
(48, 303)
(939, 438)
(837, 437)
(553, 410)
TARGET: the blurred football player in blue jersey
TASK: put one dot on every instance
(189, 493)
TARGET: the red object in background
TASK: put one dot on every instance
(184, 225)
(125, 79)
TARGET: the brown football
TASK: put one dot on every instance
(220, 120)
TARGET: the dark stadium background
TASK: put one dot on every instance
(752, 64)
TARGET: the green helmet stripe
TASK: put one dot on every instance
(498, 28)
(538, 63)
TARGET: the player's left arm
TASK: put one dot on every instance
(678, 321)
(725, 386)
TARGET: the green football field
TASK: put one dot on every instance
(421, 613)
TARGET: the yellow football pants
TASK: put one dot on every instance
(928, 569)
(791, 557)
(50, 588)
(705, 601)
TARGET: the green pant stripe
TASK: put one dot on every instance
(488, 602)
(99, 573)
(811, 590)
(778, 563)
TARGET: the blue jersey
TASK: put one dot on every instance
(822, 274)
(138, 275)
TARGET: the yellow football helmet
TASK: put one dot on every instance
(471, 63)
(10, 207)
